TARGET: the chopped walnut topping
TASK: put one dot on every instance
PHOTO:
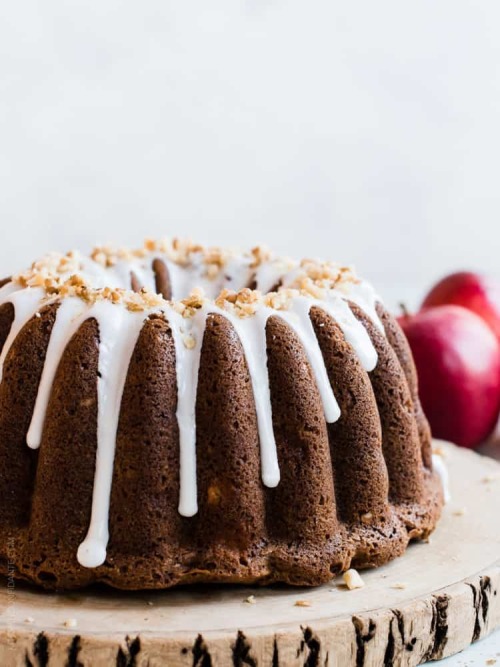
(352, 579)
(65, 276)
(189, 341)
(260, 254)
(281, 299)
(177, 250)
(192, 303)
(105, 256)
(49, 271)
(134, 300)
(243, 303)
(308, 286)
(326, 274)
(226, 296)
(212, 271)
(215, 259)
(75, 285)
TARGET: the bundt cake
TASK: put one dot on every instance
(179, 414)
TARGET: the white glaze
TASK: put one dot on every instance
(68, 321)
(354, 332)
(187, 362)
(269, 274)
(8, 289)
(118, 333)
(364, 296)
(297, 317)
(440, 468)
(26, 303)
(252, 334)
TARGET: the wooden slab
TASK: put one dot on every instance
(429, 604)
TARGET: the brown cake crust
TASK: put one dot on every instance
(61, 504)
(397, 340)
(18, 464)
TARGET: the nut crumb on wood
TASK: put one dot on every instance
(459, 512)
(352, 579)
(490, 478)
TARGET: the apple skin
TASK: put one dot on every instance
(474, 291)
(458, 364)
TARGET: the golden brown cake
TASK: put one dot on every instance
(180, 414)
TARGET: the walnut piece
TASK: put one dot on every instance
(352, 579)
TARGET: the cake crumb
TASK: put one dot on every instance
(491, 661)
(439, 451)
(490, 478)
(302, 603)
(352, 579)
(29, 619)
(399, 586)
(459, 512)
(70, 623)
(250, 599)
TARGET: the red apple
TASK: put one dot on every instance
(478, 293)
(458, 364)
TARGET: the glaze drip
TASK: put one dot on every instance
(187, 355)
(252, 335)
(26, 304)
(118, 334)
(69, 318)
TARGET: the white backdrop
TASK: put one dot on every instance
(363, 131)
(359, 130)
